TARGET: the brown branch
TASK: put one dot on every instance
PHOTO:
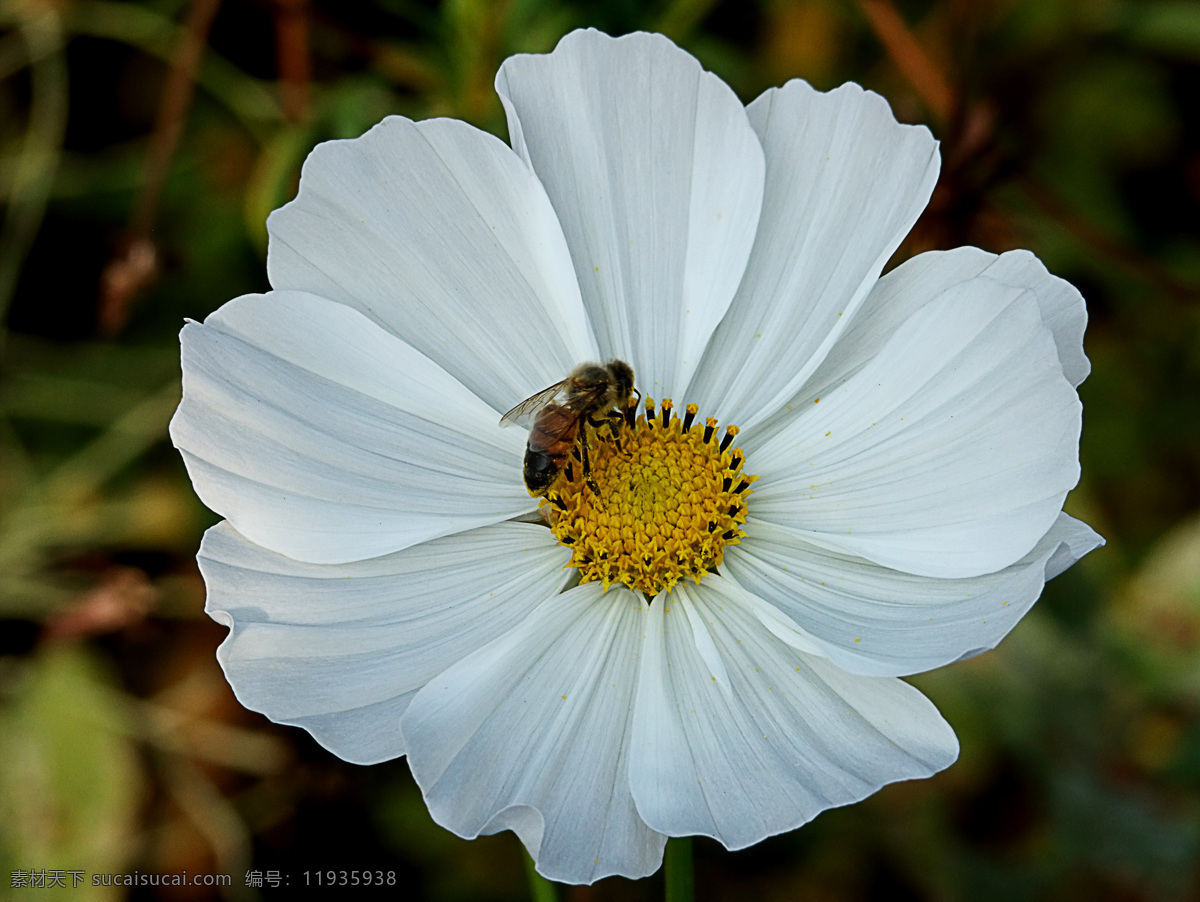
(292, 57)
(910, 58)
(136, 262)
(172, 112)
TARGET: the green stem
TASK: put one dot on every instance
(678, 869)
(540, 889)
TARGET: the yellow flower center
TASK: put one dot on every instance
(666, 495)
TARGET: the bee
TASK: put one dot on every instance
(560, 414)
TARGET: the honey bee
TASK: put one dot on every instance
(561, 413)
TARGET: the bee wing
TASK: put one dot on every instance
(523, 413)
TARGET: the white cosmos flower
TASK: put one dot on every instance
(381, 591)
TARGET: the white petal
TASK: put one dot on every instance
(323, 437)
(341, 649)
(918, 281)
(531, 735)
(795, 736)
(1078, 540)
(844, 184)
(1062, 306)
(948, 453)
(441, 234)
(878, 622)
(657, 178)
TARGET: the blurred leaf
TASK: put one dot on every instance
(66, 506)
(273, 180)
(70, 787)
(681, 17)
(1156, 617)
(1170, 27)
(1109, 830)
(1105, 115)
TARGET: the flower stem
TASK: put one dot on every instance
(678, 869)
(540, 889)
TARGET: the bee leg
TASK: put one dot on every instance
(620, 419)
(597, 425)
(612, 423)
(587, 467)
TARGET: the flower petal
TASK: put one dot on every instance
(341, 649)
(441, 234)
(657, 178)
(844, 184)
(918, 281)
(793, 735)
(321, 436)
(531, 735)
(878, 622)
(948, 453)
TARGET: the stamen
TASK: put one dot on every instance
(658, 502)
(730, 435)
(692, 410)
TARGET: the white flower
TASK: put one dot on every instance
(914, 438)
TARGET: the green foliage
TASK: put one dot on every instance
(70, 788)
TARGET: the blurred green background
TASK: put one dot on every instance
(142, 145)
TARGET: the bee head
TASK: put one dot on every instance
(622, 374)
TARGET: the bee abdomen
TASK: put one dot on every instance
(541, 469)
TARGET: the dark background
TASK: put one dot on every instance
(142, 145)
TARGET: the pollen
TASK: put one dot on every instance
(665, 496)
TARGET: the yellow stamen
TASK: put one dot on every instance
(671, 495)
